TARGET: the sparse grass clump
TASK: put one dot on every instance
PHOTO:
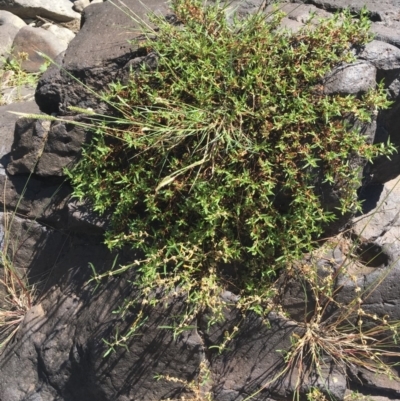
(214, 168)
(16, 294)
(341, 334)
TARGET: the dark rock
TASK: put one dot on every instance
(252, 362)
(34, 198)
(376, 384)
(393, 85)
(61, 343)
(381, 224)
(29, 141)
(291, 25)
(91, 64)
(385, 16)
(30, 41)
(351, 79)
(385, 12)
(24, 242)
(45, 148)
(62, 149)
(82, 218)
(386, 58)
(301, 12)
(387, 34)
(7, 124)
(294, 292)
(360, 393)
(377, 233)
(62, 339)
(383, 56)
(382, 292)
(385, 169)
(49, 90)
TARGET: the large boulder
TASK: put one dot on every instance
(96, 57)
(10, 18)
(60, 10)
(10, 25)
(31, 42)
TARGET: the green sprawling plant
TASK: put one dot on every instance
(215, 165)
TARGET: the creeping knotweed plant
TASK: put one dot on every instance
(213, 168)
